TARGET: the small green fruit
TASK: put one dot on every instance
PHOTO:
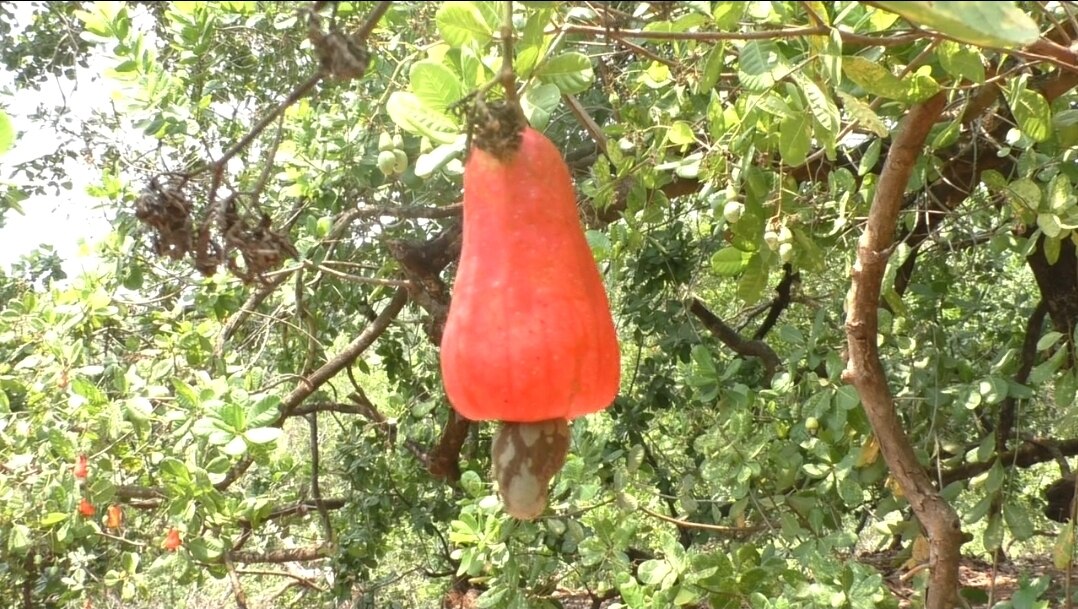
(732, 211)
(771, 238)
(387, 162)
(785, 236)
(400, 161)
(398, 141)
(385, 142)
(812, 424)
(786, 251)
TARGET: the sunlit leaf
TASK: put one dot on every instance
(990, 24)
(461, 23)
(571, 72)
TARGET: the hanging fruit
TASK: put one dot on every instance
(529, 340)
(82, 467)
(172, 540)
(86, 508)
(115, 517)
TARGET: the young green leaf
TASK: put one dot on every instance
(462, 23)
(411, 115)
(571, 72)
(7, 133)
(435, 85)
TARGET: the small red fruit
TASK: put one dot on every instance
(172, 540)
(82, 467)
(86, 508)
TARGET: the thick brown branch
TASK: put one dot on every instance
(865, 370)
(234, 578)
(730, 338)
(1028, 455)
(281, 556)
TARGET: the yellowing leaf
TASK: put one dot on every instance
(870, 452)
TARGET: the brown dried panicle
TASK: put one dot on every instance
(223, 231)
(342, 56)
(262, 248)
(166, 209)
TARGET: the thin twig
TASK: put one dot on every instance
(316, 489)
(394, 283)
(847, 37)
(714, 528)
(237, 587)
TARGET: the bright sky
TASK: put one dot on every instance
(61, 220)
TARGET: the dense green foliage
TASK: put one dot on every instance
(254, 361)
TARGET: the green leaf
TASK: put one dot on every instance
(1061, 196)
(1066, 389)
(920, 85)
(1050, 224)
(729, 261)
(409, 113)
(753, 282)
(434, 160)
(461, 23)
(961, 61)
(53, 518)
(571, 72)
(233, 415)
(993, 533)
(653, 572)
(1063, 548)
(18, 539)
(539, 103)
(987, 24)
(1048, 340)
(205, 549)
(863, 114)
(822, 106)
(795, 138)
(1024, 192)
(713, 66)
(262, 435)
(1052, 246)
(435, 85)
(874, 78)
(1018, 521)
(235, 447)
(760, 65)
(264, 411)
(7, 133)
(680, 133)
(1032, 112)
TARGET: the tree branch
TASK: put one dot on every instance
(730, 337)
(865, 371)
(1034, 451)
(281, 556)
(847, 37)
(319, 377)
(234, 578)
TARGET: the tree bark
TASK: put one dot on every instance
(864, 369)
